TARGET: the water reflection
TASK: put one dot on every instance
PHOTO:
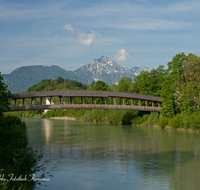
(98, 156)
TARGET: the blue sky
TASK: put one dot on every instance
(72, 33)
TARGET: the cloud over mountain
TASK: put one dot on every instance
(122, 55)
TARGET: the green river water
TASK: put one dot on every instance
(83, 156)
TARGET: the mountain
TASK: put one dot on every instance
(22, 78)
(139, 69)
(103, 69)
(99, 69)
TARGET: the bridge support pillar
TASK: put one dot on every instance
(139, 102)
(105, 100)
(95, 101)
(131, 102)
(152, 104)
(158, 104)
(23, 102)
(146, 102)
(41, 101)
(115, 101)
(15, 102)
(50, 100)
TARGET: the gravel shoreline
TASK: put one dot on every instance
(64, 118)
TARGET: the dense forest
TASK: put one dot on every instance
(178, 86)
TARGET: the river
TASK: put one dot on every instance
(83, 156)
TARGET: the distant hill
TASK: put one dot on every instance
(57, 84)
(99, 69)
(22, 78)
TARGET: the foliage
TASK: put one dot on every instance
(99, 85)
(149, 82)
(171, 85)
(125, 85)
(176, 122)
(4, 97)
(152, 119)
(77, 113)
(57, 84)
(140, 119)
(163, 121)
(16, 156)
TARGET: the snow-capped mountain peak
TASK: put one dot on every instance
(107, 70)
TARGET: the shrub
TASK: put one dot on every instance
(163, 121)
(140, 120)
(176, 122)
(153, 119)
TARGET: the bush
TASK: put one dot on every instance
(128, 116)
(176, 122)
(114, 116)
(163, 121)
(140, 120)
(94, 115)
(153, 119)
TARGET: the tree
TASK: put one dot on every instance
(170, 91)
(149, 83)
(59, 80)
(102, 86)
(190, 83)
(5, 94)
(91, 86)
(125, 85)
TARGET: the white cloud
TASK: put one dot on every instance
(48, 33)
(69, 28)
(122, 55)
(56, 36)
(86, 39)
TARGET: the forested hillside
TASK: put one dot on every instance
(57, 84)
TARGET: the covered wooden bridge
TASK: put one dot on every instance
(82, 99)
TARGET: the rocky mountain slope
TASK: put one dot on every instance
(99, 69)
(104, 69)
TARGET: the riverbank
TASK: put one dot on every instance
(64, 118)
(183, 121)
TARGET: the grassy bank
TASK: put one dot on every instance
(185, 120)
(17, 158)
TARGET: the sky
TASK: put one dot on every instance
(71, 33)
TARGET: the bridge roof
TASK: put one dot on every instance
(84, 93)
